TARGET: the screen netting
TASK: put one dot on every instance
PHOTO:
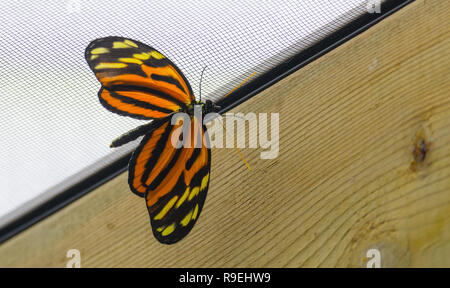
(54, 130)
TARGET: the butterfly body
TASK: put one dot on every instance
(139, 82)
(207, 107)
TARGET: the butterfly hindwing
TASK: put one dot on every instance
(175, 214)
(173, 180)
(137, 80)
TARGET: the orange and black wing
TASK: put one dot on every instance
(174, 180)
(137, 80)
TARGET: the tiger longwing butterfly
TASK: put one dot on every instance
(139, 82)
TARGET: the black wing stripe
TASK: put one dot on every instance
(155, 183)
(167, 79)
(129, 69)
(154, 92)
(157, 123)
(156, 153)
(194, 157)
(118, 111)
(138, 103)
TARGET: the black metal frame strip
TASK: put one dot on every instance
(237, 97)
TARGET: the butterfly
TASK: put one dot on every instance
(140, 82)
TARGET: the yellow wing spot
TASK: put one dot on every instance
(131, 60)
(166, 208)
(110, 65)
(183, 197)
(119, 45)
(131, 43)
(100, 50)
(186, 219)
(168, 230)
(93, 57)
(141, 56)
(204, 182)
(145, 56)
(156, 55)
(193, 193)
(159, 229)
(194, 214)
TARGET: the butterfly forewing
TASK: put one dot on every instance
(137, 80)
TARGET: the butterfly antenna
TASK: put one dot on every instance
(235, 147)
(246, 79)
(200, 85)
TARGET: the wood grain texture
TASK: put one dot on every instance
(354, 127)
